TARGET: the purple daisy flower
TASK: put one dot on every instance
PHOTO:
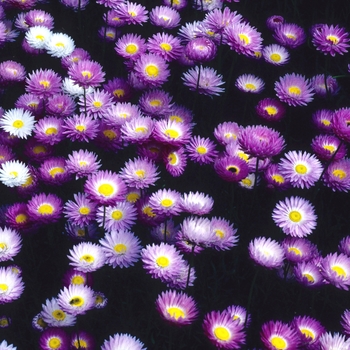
(294, 90)
(345, 321)
(181, 280)
(165, 231)
(130, 46)
(266, 252)
(161, 261)
(340, 122)
(31, 103)
(76, 299)
(337, 176)
(82, 163)
(37, 151)
(165, 17)
(54, 338)
(80, 127)
(239, 314)
(325, 85)
(122, 341)
(105, 187)
(11, 71)
(250, 83)
(119, 89)
(201, 150)
(137, 130)
(139, 173)
(335, 268)
(6, 154)
(328, 147)
(75, 277)
(60, 106)
(289, 35)
(39, 18)
(10, 243)
(222, 331)
(81, 211)
(49, 130)
(295, 216)
(308, 274)
(120, 113)
(232, 169)
(261, 141)
(200, 49)
(175, 161)
(331, 39)
(243, 38)
(322, 120)
(44, 83)
(171, 132)
(333, 341)
(309, 331)
(205, 80)
(11, 285)
(17, 217)
(344, 246)
(227, 132)
(96, 103)
(298, 250)
(166, 202)
(151, 70)
(302, 169)
(275, 54)
(54, 316)
(53, 171)
(165, 45)
(131, 13)
(177, 308)
(197, 203)
(278, 335)
(274, 178)
(180, 114)
(226, 237)
(82, 340)
(121, 248)
(120, 216)
(155, 103)
(45, 208)
(86, 73)
(218, 19)
(108, 138)
(86, 257)
(177, 5)
(77, 55)
(274, 21)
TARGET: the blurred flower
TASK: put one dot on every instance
(82, 163)
(232, 169)
(197, 203)
(165, 17)
(345, 321)
(200, 49)
(308, 274)
(49, 130)
(290, 35)
(239, 314)
(44, 83)
(226, 236)
(122, 341)
(337, 175)
(328, 147)
(340, 121)
(333, 341)
(82, 340)
(250, 83)
(325, 85)
(299, 249)
(274, 21)
(10, 243)
(322, 120)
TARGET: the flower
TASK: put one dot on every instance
(340, 121)
(227, 132)
(86, 257)
(331, 39)
(131, 13)
(18, 122)
(261, 141)
(76, 299)
(336, 269)
(328, 147)
(295, 216)
(201, 150)
(11, 285)
(275, 54)
(155, 103)
(337, 175)
(299, 249)
(164, 17)
(105, 187)
(333, 341)
(266, 252)
(60, 105)
(82, 340)
(80, 127)
(200, 49)
(137, 130)
(86, 73)
(75, 277)
(54, 338)
(121, 248)
(11, 71)
(171, 132)
(53, 171)
(302, 169)
(120, 113)
(139, 173)
(197, 203)
(226, 237)
(325, 85)
(239, 314)
(82, 163)
(232, 169)
(274, 21)
(38, 36)
(165, 202)
(130, 46)
(294, 90)
(223, 331)
(278, 335)
(122, 341)
(10, 243)
(175, 161)
(308, 274)
(59, 45)
(77, 55)
(96, 103)
(14, 173)
(322, 120)
(48, 130)
(54, 316)
(345, 321)
(205, 80)
(289, 35)
(44, 83)
(5, 346)
(151, 70)
(177, 308)
(165, 45)
(250, 83)
(45, 208)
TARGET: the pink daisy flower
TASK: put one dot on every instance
(43, 83)
(165, 17)
(45, 208)
(86, 73)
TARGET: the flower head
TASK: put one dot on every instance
(290, 35)
(266, 252)
(250, 83)
(18, 122)
(14, 173)
(122, 341)
(86, 73)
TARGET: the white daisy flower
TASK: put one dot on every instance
(14, 173)
(18, 122)
(37, 36)
(70, 88)
(54, 316)
(60, 45)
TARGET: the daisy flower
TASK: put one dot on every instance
(322, 120)
(164, 17)
(120, 113)
(295, 216)
(49, 130)
(96, 103)
(80, 127)
(165, 45)
(122, 341)
(138, 129)
(299, 249)
(345, 321)
(131, 13)
(45, 208)
(289, 35)
(337, 175)
(308, 274)
(275, 54)
(38, 36)
(59, 45)
(222, 331)
(54, 338)
(82, 163)
(328, 147)
(77, 55)
(155, 103)
(227, 132)
(331, 40)
(175, 161)
(82, 340)
(325, 85)
(18, 122)
(119, 89)
(197, 203)
(278, 335)
(294, 90)
(309, 330)
(11, 285)
(205, 80)
(53, 171)
(226, 236)
(333, 341)
(340, 121)
(44, 83)
(201, 150)
(86, 257)
(39, 17)
(121, 248)
(10, 243)
(239, 314)
(250, 83)
(81, 211)
(76, 299)
(86, 73)
(14, 173)
(54, 316)
(171, 132)
(302, 169)
(200, 49)
(266, 252)
(130, 46)
(11, 71)
(60, 105)
(177, 308)
(75, 277)
(232, 169)
(166, 202)
(336, 269)
(17, 217)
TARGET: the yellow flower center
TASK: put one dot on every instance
(244, 38)
(140, 173)
(141, 129)
(78, 280)
(156, 103)
(132, 197)
(117, 215)
(105, 189)
(294, 90)
(295, 250)
(339, 271)
(295, 216)
(278, 178)
(341, 174)
(233, 169)
(86, 74)
(308, 333)
(3, 246)
(97, 104)
(87, 258)
(271, 110)
(59, 315)
(149, 212)
(329, 148)
(76, 301)
(172, 158)
(110, 134)
(172, 133)
(250, 86)
(84, 210)
(152, 71)
(222, 333)
(175, 312)
(80, 344)
(44, 83)
(248, 182)
(54, 343)
(219, 233)
(166, 46)
(119, 92)
(57, 170)
(18, 124)
(275, 57)
(162, 261)
(120, 248)
(333, 39)
(201, 150)
(39, 149)
(45, 209)
(309, 277)
(40, 37)
(291, 36)
(301, 169)
(279, 343)
(59, 44)
(21, 218)
(167, 202)
(3, 287)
